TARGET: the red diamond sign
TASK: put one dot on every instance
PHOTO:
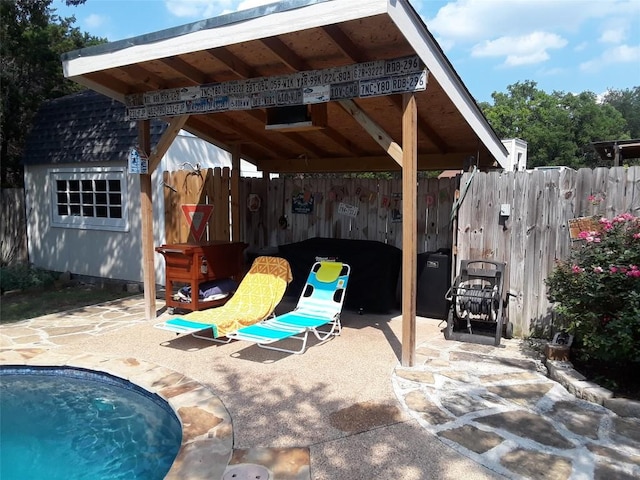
(197, 218)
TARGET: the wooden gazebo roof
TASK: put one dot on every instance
(366, 119)
(301, 36)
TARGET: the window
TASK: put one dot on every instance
(91, 199)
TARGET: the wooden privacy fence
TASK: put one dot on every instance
(535, 233)
(196, 205)
(290, 209)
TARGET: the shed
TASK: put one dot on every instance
(366, 85)
(78, 147)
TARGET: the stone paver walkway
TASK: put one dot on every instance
(498, 407)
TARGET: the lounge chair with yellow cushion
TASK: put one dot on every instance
(257, 296)
(318, 311)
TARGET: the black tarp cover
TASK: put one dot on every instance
(375, 267)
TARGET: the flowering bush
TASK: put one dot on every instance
(596, 292)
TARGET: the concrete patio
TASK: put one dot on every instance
(345, 409)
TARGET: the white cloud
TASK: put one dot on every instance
(246, 4)
(620, 54)
(95, 21)
(523, 50)
(614, 35)
(200, 9)
(470, 21)
(197, 9)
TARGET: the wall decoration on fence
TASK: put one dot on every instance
(302, 202)
(197, 218)
(365, 195)
(347, 210)
(337, 193)
(396, 207)
(254, 202)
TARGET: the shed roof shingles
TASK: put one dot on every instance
(84, 127)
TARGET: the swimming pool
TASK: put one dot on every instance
(71, 423)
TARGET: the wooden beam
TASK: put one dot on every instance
(145, 77)
(235, 192)
(423, 126)
(342, 41)
(376, 132)
(409, 230)
(185, 69)
(247, 133)
(167, 138)
(363, 163)
(232, 62)
(285, 54)
(146, 213)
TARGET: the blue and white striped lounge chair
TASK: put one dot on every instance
(317, 311)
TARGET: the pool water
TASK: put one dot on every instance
(69, 424)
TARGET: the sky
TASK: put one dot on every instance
(568, 46)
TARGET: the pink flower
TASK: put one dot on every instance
(598, 269)
(577, 269)
(636, 236)
(634, 272)
(613, 269)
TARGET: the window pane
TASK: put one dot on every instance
(115, 212)
(74, 185)
(87, 186)
(87, 211)
(101, 211)
(101, 185)
(61, 185)
(101, 198)
(74, 198)
(62, 197)
(74, 210)
(115, 199)
(114, 185)
(63, 210)
(87, 198)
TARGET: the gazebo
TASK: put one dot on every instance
(300, 86)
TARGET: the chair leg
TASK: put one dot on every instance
(212, 339)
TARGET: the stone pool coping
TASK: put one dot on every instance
(207, 433)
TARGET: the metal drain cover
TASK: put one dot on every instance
(247, 471)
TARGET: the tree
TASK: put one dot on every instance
(627, 102)
(558, 127)
(32, 37)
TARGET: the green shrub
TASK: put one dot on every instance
(596, 292)
(20, 277)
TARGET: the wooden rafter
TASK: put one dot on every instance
(423, 126)
(342, 41)
(233, 63)
(145, 77)
(377, 133)
(185, 69)
(285, 54)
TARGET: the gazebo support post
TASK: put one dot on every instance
(409, 230)
(146, 212)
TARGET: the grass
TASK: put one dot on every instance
(38, 302)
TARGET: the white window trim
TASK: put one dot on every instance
(90, 223)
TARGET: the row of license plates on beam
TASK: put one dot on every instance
(412, 82)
